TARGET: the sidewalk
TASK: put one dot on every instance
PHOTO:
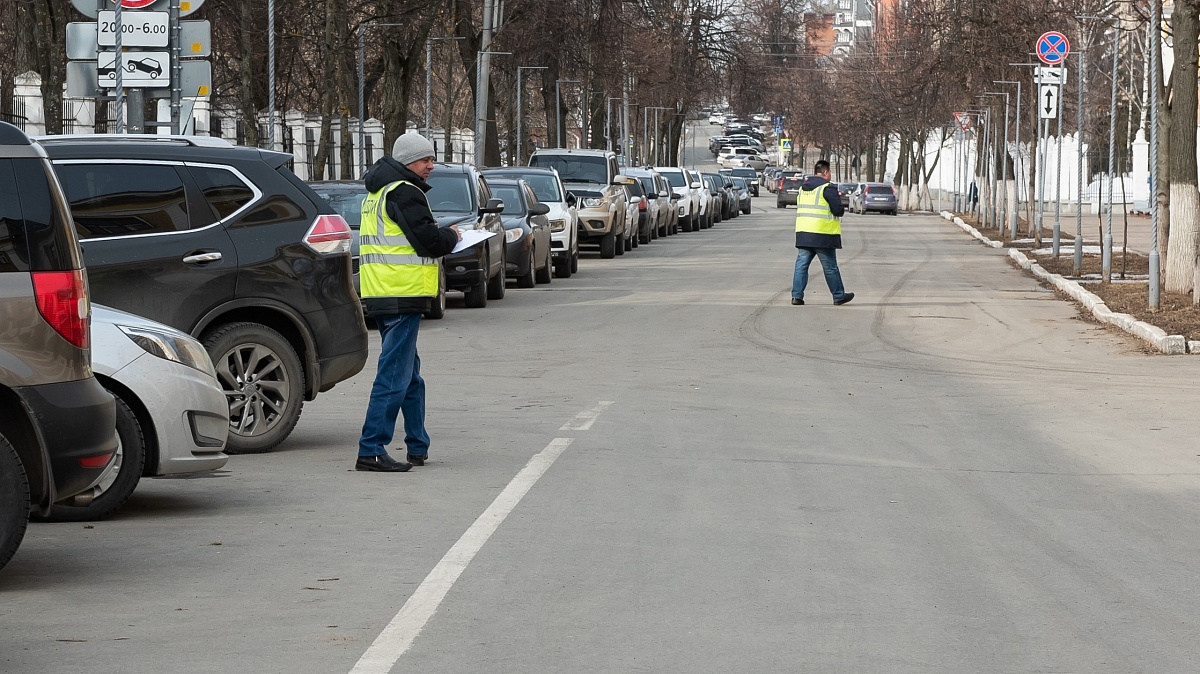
(1140, 326)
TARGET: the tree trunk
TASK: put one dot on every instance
(328, 54)
(51, 17)
(1185, 200)
(251, 51)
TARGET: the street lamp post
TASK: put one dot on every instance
(1017, 174)
(483, 61)
(558, 123)
(1155, 27)
(520, 124)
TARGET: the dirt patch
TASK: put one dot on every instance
(1124, 265)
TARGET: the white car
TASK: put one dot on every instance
(563, 215)
(687, 186)
(753, 161)
(172, 416)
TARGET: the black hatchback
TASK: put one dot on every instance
(227, 244)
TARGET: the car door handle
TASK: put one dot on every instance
(200, 258)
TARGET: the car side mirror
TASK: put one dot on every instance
(539, 209)
(652, 195)
(695, 186)
(493, 206)
(635, 200)
(676, 197)
(571, 199)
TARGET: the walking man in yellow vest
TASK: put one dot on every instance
(819, 234)
(399, 243)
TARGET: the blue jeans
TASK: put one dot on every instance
(398, 388)
(833, 277)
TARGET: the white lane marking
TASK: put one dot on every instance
(586, 418)
(400, 633)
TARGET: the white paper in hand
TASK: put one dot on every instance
(472, 237)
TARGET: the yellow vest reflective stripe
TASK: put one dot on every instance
(813, 214)
(388, 265)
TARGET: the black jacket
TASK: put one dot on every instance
(407, 206)
(813, 240)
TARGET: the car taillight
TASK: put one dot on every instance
(329, 234)
(641, 205)
(62, 300)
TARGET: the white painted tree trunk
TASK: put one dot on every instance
(1181, 249)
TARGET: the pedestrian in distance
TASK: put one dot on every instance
(399, 243)
(973, 195)
(819, 234)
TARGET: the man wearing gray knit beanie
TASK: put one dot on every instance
(399, 243)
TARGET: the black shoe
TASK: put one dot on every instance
(416, 460)
(797, 303)
(381, 464)
(845, 299)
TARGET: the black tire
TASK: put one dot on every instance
(476, 297)
(14, 501)
(128, 464)
(687, 224)
(546, 273)
(273, 410)
(437, 308)
(608, 246)
(630, 242)
(778, 204)
(562, 268)
(526, 280)
(495, 285)
(575, 262)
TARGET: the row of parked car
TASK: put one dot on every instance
(544, 213)
(858, 198)
(166, 301)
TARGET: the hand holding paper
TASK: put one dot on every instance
(472, 237)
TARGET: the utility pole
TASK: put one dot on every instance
(1155, 27)
(1106, 246)
(483, 63)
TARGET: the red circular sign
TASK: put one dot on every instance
(1053, 47)
(135, 4)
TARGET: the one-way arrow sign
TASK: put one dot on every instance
(1048, 101)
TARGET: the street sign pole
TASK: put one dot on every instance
(176, 66)
(1057, 180)
(1079, 130)
(1154, 27)
(118, 30)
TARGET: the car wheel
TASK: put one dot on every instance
(893, 211)
(14, 501)
(526, 280)
(608, 245)
(118, 481)
(546, 273)
(263, 381)
(575, 262)
(476, 297)
(437, 308)
(778, 204)
(495, 285)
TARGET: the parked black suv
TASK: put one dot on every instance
(459, 195)
(57, 423)
(227, 244)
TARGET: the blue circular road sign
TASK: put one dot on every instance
(1053, 47)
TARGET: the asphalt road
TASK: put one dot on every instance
(660, 465)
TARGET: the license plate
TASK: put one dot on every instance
(793, 191)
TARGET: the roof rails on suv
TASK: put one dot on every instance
(194, 141)
(57, 423)
(227, 244)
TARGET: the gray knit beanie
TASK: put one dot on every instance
(411, 147)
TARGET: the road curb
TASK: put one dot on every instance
(1155, 336)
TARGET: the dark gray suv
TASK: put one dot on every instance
(227, 244)
(57, 423)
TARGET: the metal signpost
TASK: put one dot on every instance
(1052, 49)
(137, 48)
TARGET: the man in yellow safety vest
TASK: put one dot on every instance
(819, 234)
(399, 243)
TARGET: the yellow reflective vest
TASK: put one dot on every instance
(388, 265)
(813, 214)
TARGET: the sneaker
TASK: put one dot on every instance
(797, 303)
(416, 460)
(845, 299)
(381, 464)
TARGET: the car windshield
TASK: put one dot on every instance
(511, 196)
(347, 204)
(449, 194)
(544, 186)
(574, 168)
(846, 187)
(647, 184)
(879, 189)
(675, 178)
